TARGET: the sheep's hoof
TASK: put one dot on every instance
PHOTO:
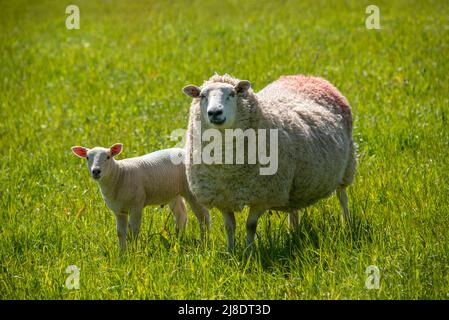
(250, 250)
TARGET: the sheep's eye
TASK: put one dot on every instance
(232, 94)
(202, 96)
(108, 157)
(87, 158)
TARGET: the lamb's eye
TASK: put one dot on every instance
(202, 96)
(232, 94)
(87, 158)
(108, 157)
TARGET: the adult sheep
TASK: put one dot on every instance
(316, 153)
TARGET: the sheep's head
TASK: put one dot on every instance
(218, 101)
(98, 159)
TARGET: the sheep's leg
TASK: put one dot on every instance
(180, 214)
(202, 215)
(251, 227)
(343, 199)
(229, 222)
(135, 221)
(293, 220)
(121, 220)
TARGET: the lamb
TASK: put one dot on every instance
(129, 185)
(316, 152)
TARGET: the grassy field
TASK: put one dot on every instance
(119, 78)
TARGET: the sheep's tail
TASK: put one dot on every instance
(350, 170)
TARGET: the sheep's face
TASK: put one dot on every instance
(218, 102)
(98, 159)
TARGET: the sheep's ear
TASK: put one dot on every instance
(116, 149)
(192, 91)
(80, 151)
(242, 87)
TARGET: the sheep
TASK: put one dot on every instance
(129, 185)
(316, 152)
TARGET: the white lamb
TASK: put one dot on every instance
(129, 185)
(315, 147)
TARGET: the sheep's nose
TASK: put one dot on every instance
(213, 113)
(96, 171)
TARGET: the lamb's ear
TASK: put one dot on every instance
(242, 87)
(116, 149)
(80, 151)
(192, 91)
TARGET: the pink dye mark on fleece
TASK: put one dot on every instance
(317, 89)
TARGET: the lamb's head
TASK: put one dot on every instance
(99, 160)
(218, 101)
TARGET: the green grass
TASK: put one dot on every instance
(119, 79)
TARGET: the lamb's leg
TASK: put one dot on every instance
(251, 227)
(121, 220)
(293, 220)
(201, 214)
(180, 214)
(343, 199)
(135, 221)
(229, 222)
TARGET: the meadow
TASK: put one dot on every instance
(119, 79)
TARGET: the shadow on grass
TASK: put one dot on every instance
(276, 247)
